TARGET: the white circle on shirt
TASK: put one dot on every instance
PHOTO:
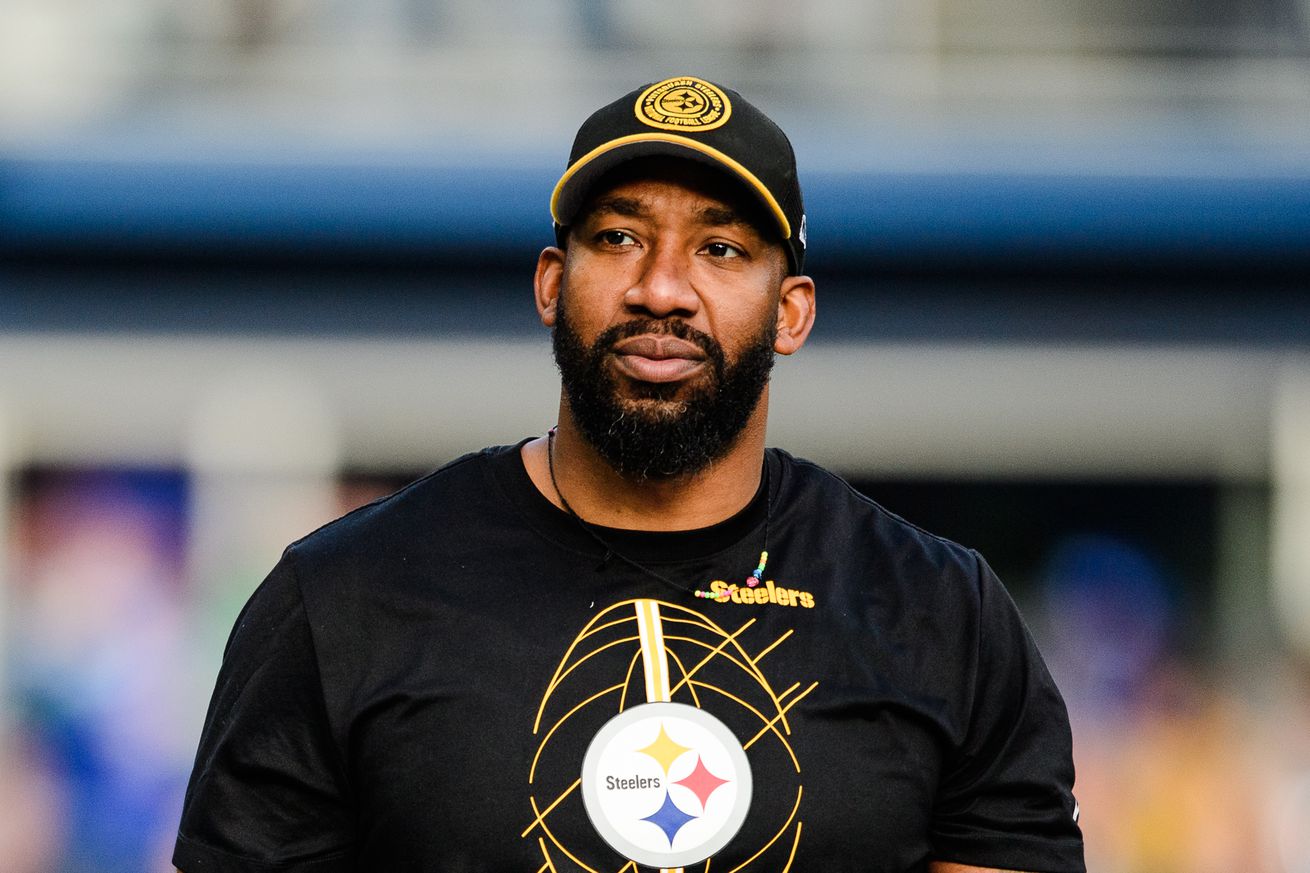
(666, 784)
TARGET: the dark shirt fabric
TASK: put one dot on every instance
(414, 687)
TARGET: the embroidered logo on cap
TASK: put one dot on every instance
(666, 785)
(685, 104)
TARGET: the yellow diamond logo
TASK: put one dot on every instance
(664, 750)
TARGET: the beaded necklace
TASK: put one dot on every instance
(751, 581)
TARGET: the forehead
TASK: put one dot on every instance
(658, 184)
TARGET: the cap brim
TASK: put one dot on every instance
(573, 187)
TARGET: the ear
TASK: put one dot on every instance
(795, 314)
(546, 283)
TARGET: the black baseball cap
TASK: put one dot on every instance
(686, 117)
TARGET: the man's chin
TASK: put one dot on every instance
(634, 395)
(653, 410)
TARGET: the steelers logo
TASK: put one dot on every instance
(662, 739)
(685, 104)
(666, 784)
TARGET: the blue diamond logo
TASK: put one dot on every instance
(669, 818)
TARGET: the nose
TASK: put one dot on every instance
(664, 287)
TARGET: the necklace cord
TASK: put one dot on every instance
(751, 580)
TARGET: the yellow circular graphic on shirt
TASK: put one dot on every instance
(685, 103)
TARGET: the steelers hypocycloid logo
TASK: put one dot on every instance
(652, 737)
(666, 784)
(685, 104)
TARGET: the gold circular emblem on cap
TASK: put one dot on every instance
(685, 103)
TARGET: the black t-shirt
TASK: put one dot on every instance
(416, 685)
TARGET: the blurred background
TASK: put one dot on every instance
(264, 260)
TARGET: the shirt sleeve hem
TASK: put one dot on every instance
(1014, 852)
(192, 857)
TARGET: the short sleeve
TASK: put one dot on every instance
(1006, 799)
(268, 790)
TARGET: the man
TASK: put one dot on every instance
(641, 638)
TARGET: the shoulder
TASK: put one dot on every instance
(446, 492)
(349, 576)
(389, 542)
(851, 521)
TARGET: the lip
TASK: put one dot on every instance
(658, 358)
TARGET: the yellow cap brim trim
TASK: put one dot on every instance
(746, 175)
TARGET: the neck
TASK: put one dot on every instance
(596, 492)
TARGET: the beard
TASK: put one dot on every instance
(660, 430)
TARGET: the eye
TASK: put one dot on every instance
(617, 238)
(722, 250)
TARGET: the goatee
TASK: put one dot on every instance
(660, 430)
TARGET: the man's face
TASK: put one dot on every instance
(666, 319)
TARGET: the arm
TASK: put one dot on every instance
(268, 790)
(1005, 800)
(949, 867)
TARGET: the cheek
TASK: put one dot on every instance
(594, 298)
(743, 317)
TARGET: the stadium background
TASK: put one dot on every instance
(262, 260)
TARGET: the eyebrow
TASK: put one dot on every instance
(708, 216)
(722, 216)
(629, 207)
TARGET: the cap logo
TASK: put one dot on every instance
(685, 104)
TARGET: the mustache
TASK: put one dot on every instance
(611, 336)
